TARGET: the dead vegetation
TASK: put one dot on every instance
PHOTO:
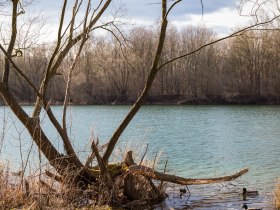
(129, 185)
(97, 181)
(277, 195)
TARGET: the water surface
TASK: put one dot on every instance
(198, 141)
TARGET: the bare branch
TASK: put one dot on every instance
(72, 23)
(237, 33)
(58, 36)
(37, 109)
(171, 7)
(66, 99)
(104, 172)
(67, 144)
(12, 42)
(148, 172)
(20, 72)
(90, 26)
(144, 154)
(72, 19)
(140, 101)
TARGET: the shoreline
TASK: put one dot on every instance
(173, 100)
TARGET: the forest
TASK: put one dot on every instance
(241, 70)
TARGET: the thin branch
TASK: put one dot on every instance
(37, 109)
(164, 171)
(69, 46)
(20, 72)
(171, 7)
(67, 92)
(140, 101)
(202, 7)
(117, 38)
(144, 154)
(104, 172)
(72, 20)
(55, 158)
(67, 144)
(122, 35)
(74, 12)
(95, 10)
(5, 78)
(237, 33)
(92, 155)
(58, 35)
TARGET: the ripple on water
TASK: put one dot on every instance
(199, 141)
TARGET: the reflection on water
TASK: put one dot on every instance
(198, 141)
(216, 197)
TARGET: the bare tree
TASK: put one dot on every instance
(71, 38)
(67, 38)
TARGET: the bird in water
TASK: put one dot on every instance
(182, 192)
(249, 193)
(246, 207)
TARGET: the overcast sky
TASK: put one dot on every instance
(220, 15)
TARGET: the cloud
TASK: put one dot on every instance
(222, 21)
(151, 9)
(220, 15)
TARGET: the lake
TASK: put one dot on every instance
(198, 141)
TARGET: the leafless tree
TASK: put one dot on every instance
(72, 37)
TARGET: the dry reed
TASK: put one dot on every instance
(277, 195)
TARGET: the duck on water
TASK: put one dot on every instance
(246, 207)
(249, 193)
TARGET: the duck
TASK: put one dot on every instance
(182, 192)
(246, 207)
(249, 193)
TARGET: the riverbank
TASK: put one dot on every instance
(45, 194)
(173, 100)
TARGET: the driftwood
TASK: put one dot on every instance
(135, 169)
(148, 172)
(139, 187)
(128, 160)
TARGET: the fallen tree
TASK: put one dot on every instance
(148, 172)
(151, 173)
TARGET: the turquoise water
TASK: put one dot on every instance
(198, 141)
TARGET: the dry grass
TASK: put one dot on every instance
(11, 193)
(44, 193)
(39, 191)
(277, 195)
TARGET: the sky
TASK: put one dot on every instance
(220, 15)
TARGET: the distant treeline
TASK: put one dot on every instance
(240, 70)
